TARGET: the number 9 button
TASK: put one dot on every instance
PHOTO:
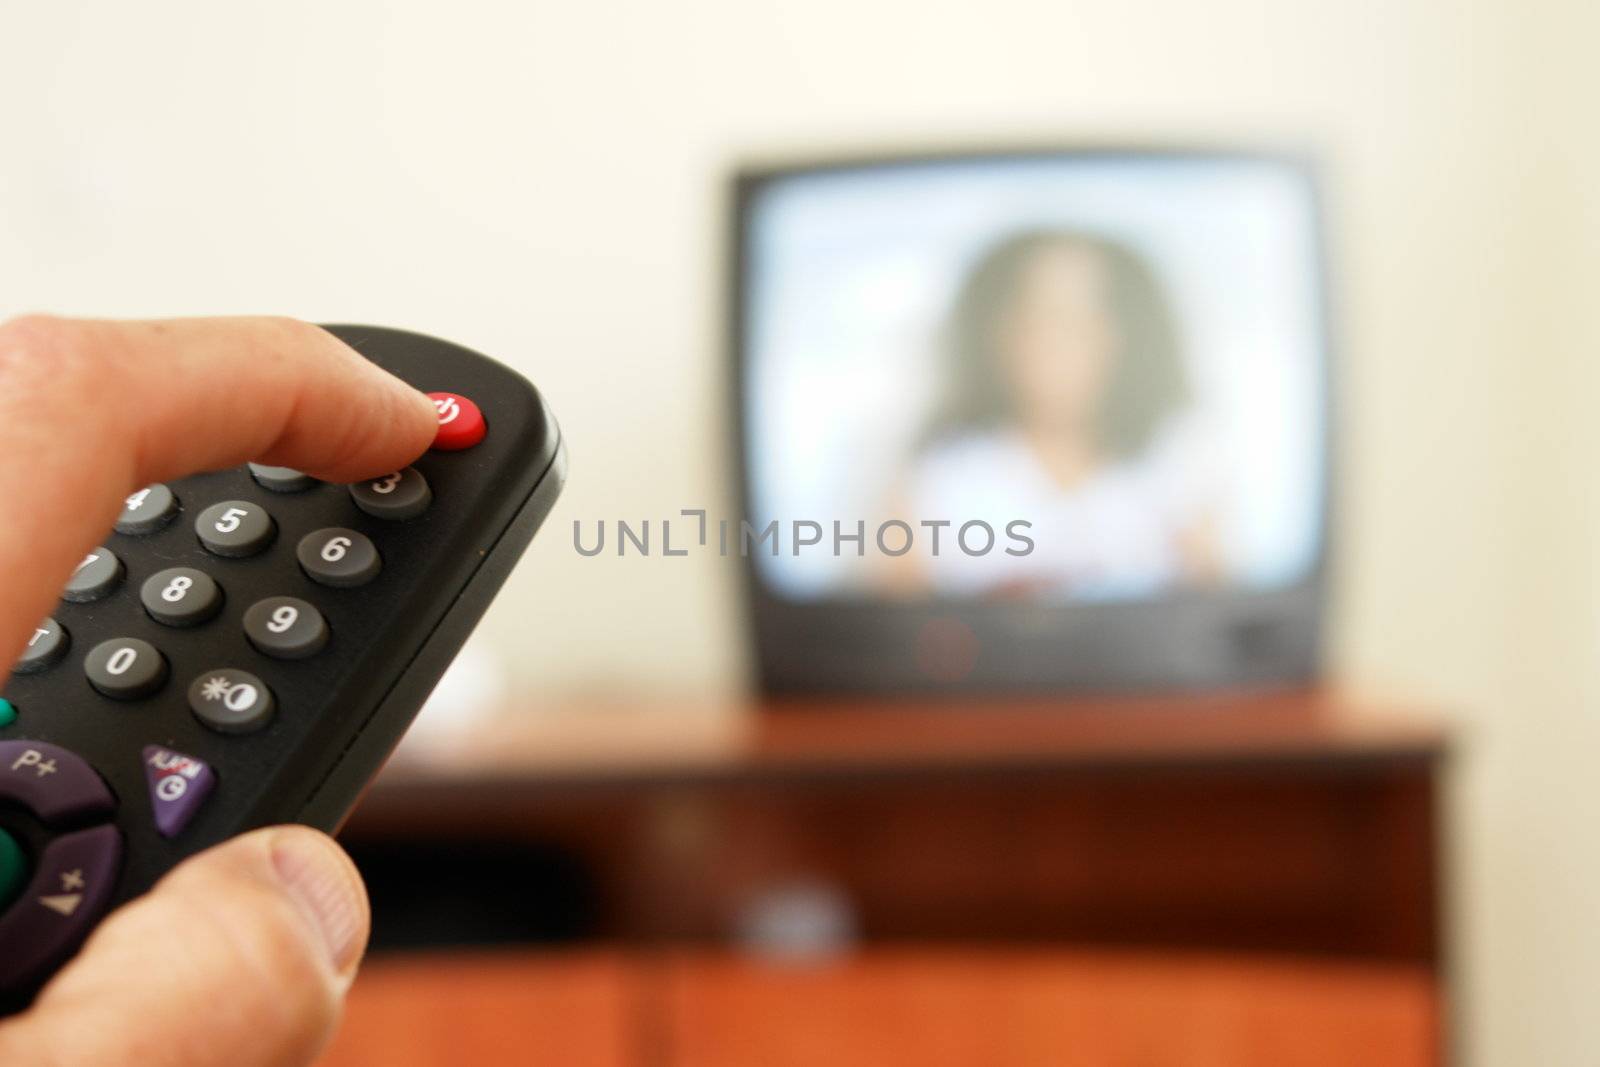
(339, 557)
(285, 627)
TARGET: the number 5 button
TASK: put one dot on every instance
(285, 627)
(235, 528)
(339, 557)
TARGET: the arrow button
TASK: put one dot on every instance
(34, 940)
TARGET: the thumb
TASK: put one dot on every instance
(239, 957)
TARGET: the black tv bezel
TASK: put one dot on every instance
(1188, 639)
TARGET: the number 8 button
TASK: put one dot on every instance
(181, 596)
(285, 627)
(339, 557)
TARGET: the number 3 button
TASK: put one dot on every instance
(235, 528)
(284, 627)
(339, 557)
(401, 495)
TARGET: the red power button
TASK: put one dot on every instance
(461, 424)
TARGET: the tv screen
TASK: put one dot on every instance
(987, 400)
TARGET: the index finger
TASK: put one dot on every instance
(93, 410)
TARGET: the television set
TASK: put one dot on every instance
(1054, 420)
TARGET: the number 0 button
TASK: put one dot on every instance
(235, 528)
(181, 596)
(339, 557)
(401, 495)
(285, 627)
(125, 668)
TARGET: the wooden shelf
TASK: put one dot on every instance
(609, 742)
(934, 1008)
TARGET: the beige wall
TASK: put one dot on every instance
(540, 181)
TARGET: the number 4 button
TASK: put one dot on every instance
(339, 557)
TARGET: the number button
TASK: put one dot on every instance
(147, 511)
(285, 627)
(401, 495)
(125, 668)
(339, 557)
(461, 424)
(48, 643)
(95, 577)
(280, 479)
(235, 528)
(181, 596)
(231, 701)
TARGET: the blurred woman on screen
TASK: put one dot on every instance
(1065, 407)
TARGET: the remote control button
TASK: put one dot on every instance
(95, 577)
(461, 424)
(54, 784)
(8, 712)
(45, 648)
(280, 479)
(125, 668)
(231, 701)
(235, 528)
(147, 511)
(339, 557)
(401, 495)
(70, 889)
(181, 596)
(179, 786)
(285, 627)
(13, 869)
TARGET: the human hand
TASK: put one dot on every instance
(241, 955)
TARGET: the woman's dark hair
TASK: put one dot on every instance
(1148, 380)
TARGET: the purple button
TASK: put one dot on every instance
(69, 891)
(54, 784)
(179, 786)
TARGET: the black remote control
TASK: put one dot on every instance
(248, 647)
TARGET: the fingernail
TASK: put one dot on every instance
(323, 882)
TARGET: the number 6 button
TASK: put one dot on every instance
(235, 528)
(285, 627)
(339, 557)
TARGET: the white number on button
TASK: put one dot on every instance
(122, 659)
(38, 633)
(386, 485)
(90, 558)
(177, 589)
(136, 501)
(230, 520)
(283, 618)
(335, 549)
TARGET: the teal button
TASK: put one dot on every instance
(8, 714)
(13, 868)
